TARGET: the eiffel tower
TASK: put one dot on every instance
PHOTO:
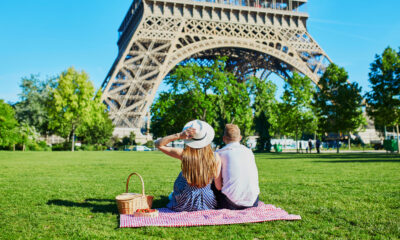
(268, 36)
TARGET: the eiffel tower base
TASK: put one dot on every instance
(125, 132)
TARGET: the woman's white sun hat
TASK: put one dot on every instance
(204, 134)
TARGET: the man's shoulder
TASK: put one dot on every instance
(237, 147)
(224, 149)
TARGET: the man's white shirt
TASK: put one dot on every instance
(239, 174)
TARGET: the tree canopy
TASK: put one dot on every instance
(8, 125)
(99, 129)
(383, 101)
(296, 113)
(35, 96)
(338, 103)
(206, 92)
(265, 112)
(74, 109)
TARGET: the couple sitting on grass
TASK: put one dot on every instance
(227, 178)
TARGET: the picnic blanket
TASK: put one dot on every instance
(168, 218)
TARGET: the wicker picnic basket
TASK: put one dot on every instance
(128, 203)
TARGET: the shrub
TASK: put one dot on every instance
(149, 144)
(65, 146)
(89, 147)
(38, 146)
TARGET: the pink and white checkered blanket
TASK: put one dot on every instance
(168, 218)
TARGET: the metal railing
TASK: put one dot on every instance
(283, 5)
(286, 5)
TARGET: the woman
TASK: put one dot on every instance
(200, 166)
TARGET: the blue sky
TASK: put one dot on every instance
(46, 37)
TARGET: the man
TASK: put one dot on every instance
(239, 173)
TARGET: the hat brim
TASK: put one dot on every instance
(205, 141)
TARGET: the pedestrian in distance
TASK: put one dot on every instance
(318, 145)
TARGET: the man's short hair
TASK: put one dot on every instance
(232, 132)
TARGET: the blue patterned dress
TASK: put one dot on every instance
(190, 198)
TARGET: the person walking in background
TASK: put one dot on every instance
(318, 145)
(309, 145)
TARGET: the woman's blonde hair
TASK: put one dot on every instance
(198, 165)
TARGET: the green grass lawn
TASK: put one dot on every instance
(60, 195)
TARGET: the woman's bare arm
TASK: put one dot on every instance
(170, 151)
(218, 178)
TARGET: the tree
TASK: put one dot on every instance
(338, 103)
(209, 93)
(132, 138)
(232, 103)
(32, 109)
(113, 141)
(71, 105)
(27, 134)
(383, 103)
(296, 113)
(129, 140)
(170, 112)
(265, 112)
(100, 127)
(8, 126)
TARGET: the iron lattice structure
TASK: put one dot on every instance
(156, 35)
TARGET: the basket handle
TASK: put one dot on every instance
(141, 179)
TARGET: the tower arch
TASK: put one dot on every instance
(158, 34)
(213, 44)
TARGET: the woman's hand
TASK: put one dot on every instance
(170, 151)
(187, 134)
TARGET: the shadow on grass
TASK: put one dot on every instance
(99, 206)
(161, 203)
(91, 203)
